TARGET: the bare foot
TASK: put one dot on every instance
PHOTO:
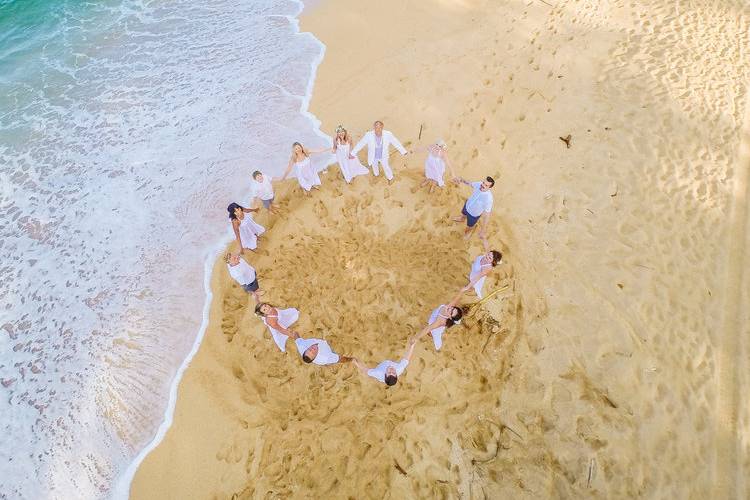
(457, 219)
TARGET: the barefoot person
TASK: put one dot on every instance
(443, 317)
(244, 274)
(246, 230)
(378, 142)
(482, 267)
(307, 176)
(278, 322)
(478, 206)
(434, 166)
(388, 371)
(261, 188)
(348, 163)
(318, 351)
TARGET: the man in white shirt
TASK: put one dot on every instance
(378, 142)
(318, 351)
(261, 188)
(478, 206)
(244, 274)
(388, 371)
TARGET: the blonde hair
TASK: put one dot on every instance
(304, 151)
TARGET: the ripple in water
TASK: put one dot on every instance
(125, 130)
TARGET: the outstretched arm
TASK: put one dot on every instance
(449, 165)
(435, 324)
(476, 278)
(410, 350)
(485, 222)
(360, 366)
(454, 300)
(288, 168)
(397, 144)
(316, 151)
(274, 323)
(236, 227)
(246, 210)
(360, 144)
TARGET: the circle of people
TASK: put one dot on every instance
(378, 142)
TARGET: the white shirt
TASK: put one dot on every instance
(243, 273)
(262, 190)
(325, 356)
(479, 201)
(379, 371)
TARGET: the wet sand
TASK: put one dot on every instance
(612, 364)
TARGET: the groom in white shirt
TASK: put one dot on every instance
(378, 142)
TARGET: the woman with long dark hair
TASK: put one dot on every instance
(443, 317)
(245, 228)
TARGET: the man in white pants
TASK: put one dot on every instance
(378, 142)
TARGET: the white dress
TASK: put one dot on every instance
(434, 167)
(476, 268)
(306, 174)
(350, 167)
(437, 333)
(286, 318)
(249, 231)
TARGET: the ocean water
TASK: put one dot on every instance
(126, 127)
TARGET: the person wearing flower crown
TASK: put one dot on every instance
(443, 317)
(349, 164)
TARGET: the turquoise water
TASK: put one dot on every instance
(125, 130)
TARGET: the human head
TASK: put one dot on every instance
(487, 184)
(391, 377)
(258, 176)
(263, 309)
(297, 148)
(378, 127)
(232, 258)
(233, 210)
(341, 132)
(441, 144)
(310, 353)
(496, 257)
(456, 314)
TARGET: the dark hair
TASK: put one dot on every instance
(256, 174)
(382, 125)
(231, 208)
(453, 319)
(258, 311)
(391, 380)
(491, 181)
(306, 358)
(497, 257)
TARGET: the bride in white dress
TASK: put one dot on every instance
(307, 176)
(349, 164)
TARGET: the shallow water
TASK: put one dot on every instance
(125, 130)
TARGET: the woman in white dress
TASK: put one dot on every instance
(245, 228)
(435, 164)
(349, 164)
(481, 267)
(278, 322)
(307, 176)
(443, 317)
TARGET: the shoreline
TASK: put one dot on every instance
(572, 379)
(123, 482)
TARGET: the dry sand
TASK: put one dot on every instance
(614, 365)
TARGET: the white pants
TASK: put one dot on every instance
(386, 169)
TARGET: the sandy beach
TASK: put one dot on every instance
(613, 361)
